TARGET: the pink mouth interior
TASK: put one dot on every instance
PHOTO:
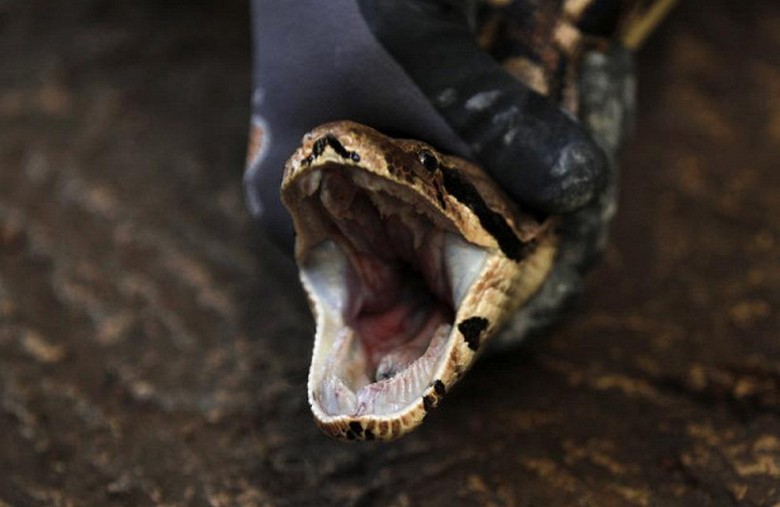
(395, 315)
(398, 294)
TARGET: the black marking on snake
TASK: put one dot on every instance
(462, 190)
(318, 148)
(429, 402)
(350, 435)
(440, 198)
(472, 329)
(537, 214)
(438, 179)
(356, 427)
(390, 165)
(369, 435)
(558, 82)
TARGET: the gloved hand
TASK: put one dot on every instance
(409, 68)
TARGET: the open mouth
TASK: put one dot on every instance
(386, 274)
(412, 261)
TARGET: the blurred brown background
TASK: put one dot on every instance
(152, 352)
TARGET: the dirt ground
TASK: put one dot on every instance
(154, 351)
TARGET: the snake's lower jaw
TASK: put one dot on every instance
(407, 270)
(379, 358)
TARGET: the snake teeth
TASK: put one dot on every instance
(337, 398)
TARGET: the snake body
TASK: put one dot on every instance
(414, 260)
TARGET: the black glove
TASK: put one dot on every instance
(409, 68)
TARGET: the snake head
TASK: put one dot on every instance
(411, 260)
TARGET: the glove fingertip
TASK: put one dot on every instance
(577, 176)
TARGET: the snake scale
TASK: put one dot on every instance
(413, 260)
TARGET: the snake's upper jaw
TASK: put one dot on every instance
(404, 277)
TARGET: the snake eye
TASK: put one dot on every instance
(428, 160)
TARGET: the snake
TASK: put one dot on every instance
(414, 261)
